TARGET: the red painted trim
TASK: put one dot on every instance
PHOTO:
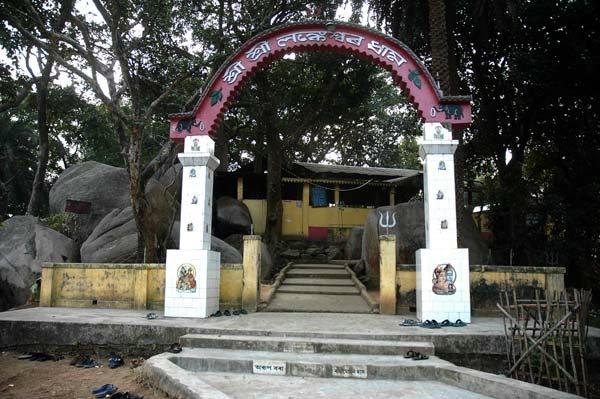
(395, 57)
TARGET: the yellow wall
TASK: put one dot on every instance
(299, 215)
(122, 286)
(293, 223)
(406, 278)
(485, 281)
(258, 211)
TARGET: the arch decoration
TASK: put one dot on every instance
(447, 296)
(257, 53)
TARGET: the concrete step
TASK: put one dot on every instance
(320, 365)
(318, 281)
(305, 345)
(291, 302)
(318, 266)
(319, 289)
(317, 273)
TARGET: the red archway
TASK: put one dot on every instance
(407, 70)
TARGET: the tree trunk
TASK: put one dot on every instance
(274, 204)
(37, 190)
(147, 240)
(222, 149)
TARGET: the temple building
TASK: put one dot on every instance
(321, 202)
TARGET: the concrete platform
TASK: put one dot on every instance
(193, 372)
(245, 386)
(129, 330)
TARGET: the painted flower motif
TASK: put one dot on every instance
(413, 76)
(216, 96)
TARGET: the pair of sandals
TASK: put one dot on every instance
(457, 323)
(40, 357)
(228, 313)
(175, 348)
(415, 355)
(125, 395)
(115, 361)
(445, 323)
(87, 363)
(104, 390)
(432, 323)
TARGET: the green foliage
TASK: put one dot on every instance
(59, 222)
(17, 162)
(534, 143)
(321, 105)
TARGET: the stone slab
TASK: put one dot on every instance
(318, 266)
(319, 289)
(317, 273)
(288, 302)
(305, 344)
(318, 281)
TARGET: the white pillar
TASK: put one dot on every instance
(443, 289)
(193, 270)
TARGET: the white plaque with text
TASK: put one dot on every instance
(271, 367)
(349, 371)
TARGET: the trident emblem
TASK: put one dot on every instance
(387, 223)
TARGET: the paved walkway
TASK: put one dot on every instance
(245, 386)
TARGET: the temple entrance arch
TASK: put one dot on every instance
(440, 115)
(257, 53)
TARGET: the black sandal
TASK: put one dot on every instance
(420, 356)
(175, 348)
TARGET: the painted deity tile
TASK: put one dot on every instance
(186, 278)
(444, 276)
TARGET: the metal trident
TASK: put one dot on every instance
(387, 223)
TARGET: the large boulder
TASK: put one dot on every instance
(410, 236)
(25, 244)
(114, 240)
(232, 217)
(353, 247)
(105, 187)
(229, 254)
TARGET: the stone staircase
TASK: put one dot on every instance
(249, 363)
(325, 288)
(323, 357)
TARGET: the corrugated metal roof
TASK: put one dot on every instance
(358, 170)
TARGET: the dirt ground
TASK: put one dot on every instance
(33, 380)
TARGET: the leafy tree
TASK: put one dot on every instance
(316, 104)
